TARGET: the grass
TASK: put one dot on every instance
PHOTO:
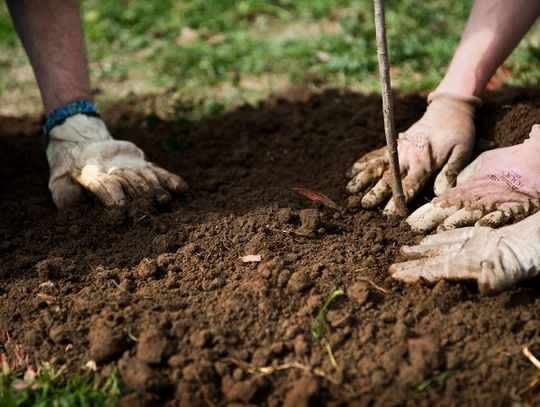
(51, 387)
(434, 381)
(204, 57)
(22, 385)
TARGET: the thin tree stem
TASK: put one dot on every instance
(388, 108)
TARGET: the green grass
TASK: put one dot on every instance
(434, 381)
(245, 49)
(51, 387)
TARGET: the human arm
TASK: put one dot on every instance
(80, 150)
(493, 30)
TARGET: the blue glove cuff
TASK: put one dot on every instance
(62, 113)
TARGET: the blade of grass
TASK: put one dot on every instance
(437, 379)
(317, 326)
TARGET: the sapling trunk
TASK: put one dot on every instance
(388, 108)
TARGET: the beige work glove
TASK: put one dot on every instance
(82, 153)
(442, 139)
(490, 191)
(495, 258)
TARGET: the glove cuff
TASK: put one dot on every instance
(472, 101)
(60, 115)
(79, 128)
(445, 100)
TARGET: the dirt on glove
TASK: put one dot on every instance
(162, 295)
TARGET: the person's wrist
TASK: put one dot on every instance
(461, 83)
(59, 116)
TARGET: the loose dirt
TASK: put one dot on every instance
(162, 295)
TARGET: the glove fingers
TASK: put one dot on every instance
(412, 183)
(66, 193)
(161, 195)
(491, 281)
(431, 250)
(450, 236)
(437, 268)
(134, 185)
(374, 170)
(469, 171)
(364, 161)
(411, 271)
(446, 179)
(495, 219)
(463, 217)
(171, 181)
(104, 186)
(427, 217)
(379, 193)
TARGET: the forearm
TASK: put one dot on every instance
(493, 30)
(51, 32)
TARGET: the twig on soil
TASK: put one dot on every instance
(118, 285)
(370, 282)
(331, 356)
(529, 355)
(268, 370)
(141, 218)
(533, 383)
(536, 363)
(388, 108)
(131, 336)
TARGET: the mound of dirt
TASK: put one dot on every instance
(162, 294)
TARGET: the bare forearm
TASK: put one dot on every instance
(51, 32)
(494, 29)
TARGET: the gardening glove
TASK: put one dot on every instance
(82, 153)
(442, 138)
(495, 258)
(490, 191)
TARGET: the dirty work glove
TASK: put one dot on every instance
(490, 191)
(495, 258)
(442, 138)
(82, 153)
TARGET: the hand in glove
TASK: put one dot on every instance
(490, 191)
(82, 153)
(442, 138)
(495, 258)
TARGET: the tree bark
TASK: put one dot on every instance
(388, 108)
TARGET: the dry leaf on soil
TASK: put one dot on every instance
(317, 197)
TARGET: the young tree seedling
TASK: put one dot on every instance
(317, 326)
(388, 108)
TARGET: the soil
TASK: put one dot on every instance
(162, 295)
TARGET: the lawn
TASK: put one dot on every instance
(201, 57)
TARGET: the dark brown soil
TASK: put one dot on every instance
(162, 295)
